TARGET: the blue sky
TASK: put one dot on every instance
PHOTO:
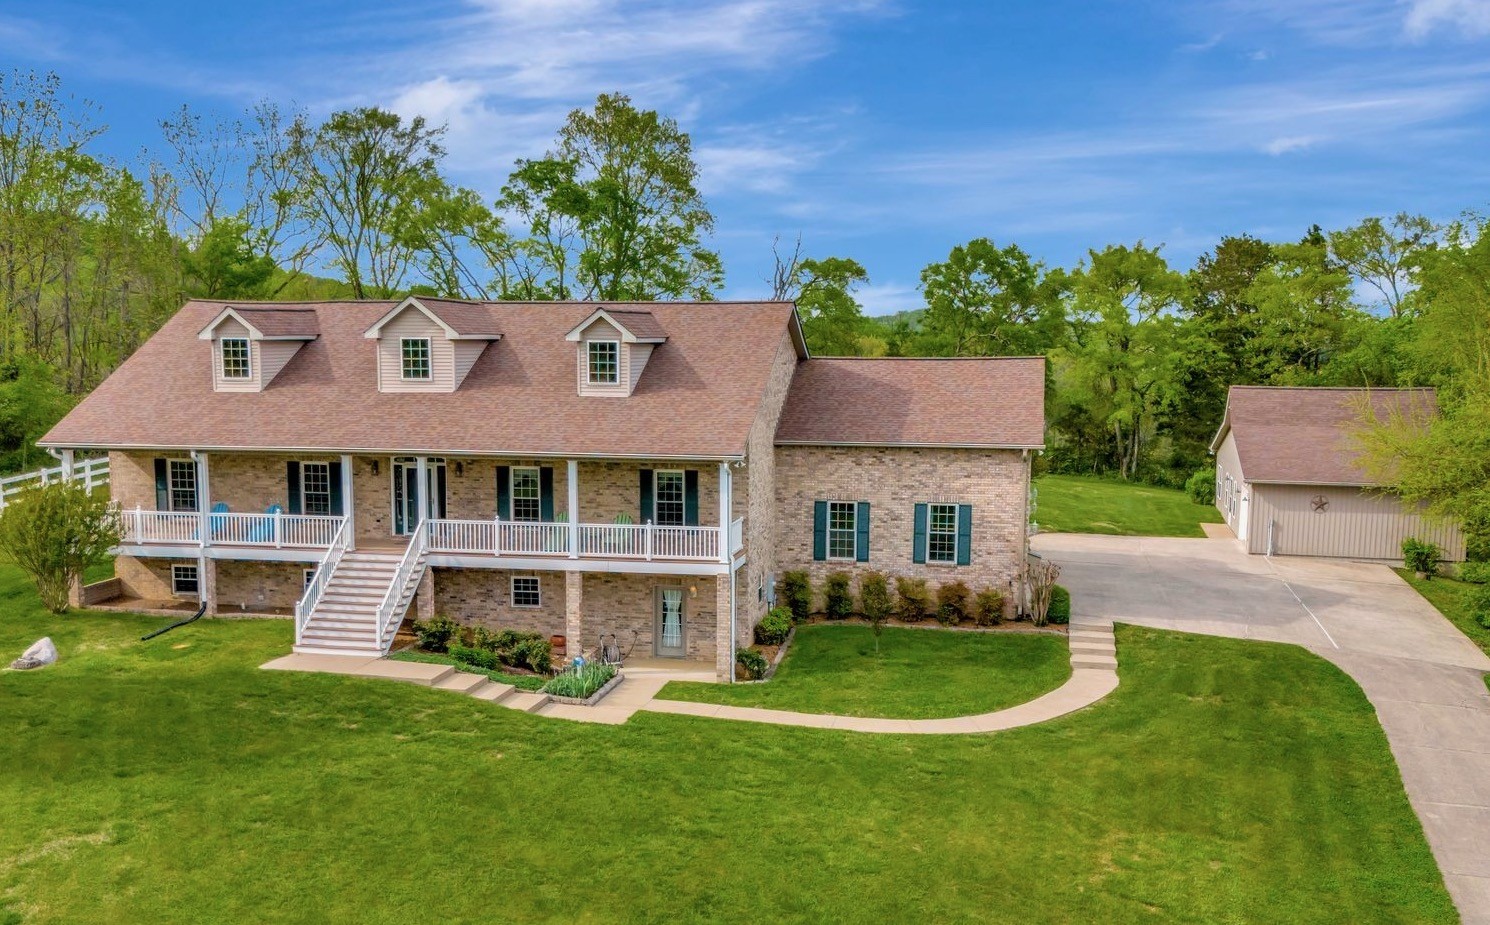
(884, 130)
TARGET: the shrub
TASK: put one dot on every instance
(54, 532)
(951, 603)
(1420, 556)
(913, 600)
(436, 635)
(1059, 612)
(479, 658)
(874, 596)
(1201, 487)
(988, 607)
(1477, 573)
(1478, 600)
(1039, 579)
(796, 593)
(837, 600)
(774, 627)
(752, 663)
(535, 654)
(580, 681)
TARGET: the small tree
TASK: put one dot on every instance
(1039, 578)
(874, 602)
(796, 593)
(838, 603)
(55, 532)
(914, 599)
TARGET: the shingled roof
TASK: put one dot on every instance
(1306, 436)
(698, 397)
(969, 402)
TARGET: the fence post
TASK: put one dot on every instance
(649, 541)
(278, 531)
(496, 536)
(138, 523)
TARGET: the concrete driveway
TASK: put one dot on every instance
(1422, 675)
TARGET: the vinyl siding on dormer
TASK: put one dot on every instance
(414, 323)
(230, 329)
(601, 331)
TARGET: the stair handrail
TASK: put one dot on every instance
(318, 581)
(418, 543)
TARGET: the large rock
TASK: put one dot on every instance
(41, 653)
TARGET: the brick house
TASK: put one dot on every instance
(642, 469)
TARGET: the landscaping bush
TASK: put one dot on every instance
(951, 603)
(913, 599)
(535, 654)
(1060, 606)
(796, 593)
(478, 658)
(437, 634)
(55, 532)
(1201, 487)
(838, 602)
(988, 607)
(580, 681)
(1477, 573)
(1478, 601)
(874, 596)
(1421, 556)
(752, 662)
(774, 627)
(512, 648)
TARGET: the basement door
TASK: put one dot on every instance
(670, 624)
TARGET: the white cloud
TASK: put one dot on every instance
(1285, 145)
(889, 298)
(1471, 18)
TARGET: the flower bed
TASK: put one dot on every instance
(582, 684)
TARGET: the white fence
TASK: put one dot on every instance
(186, 527)
(91, 472)
(605, 541)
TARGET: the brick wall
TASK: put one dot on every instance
(755, 493)
(145, 577)
(609, 488)
(483, 597)
(257, 587)
(132, 479)
(893, 481)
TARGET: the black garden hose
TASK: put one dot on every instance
(191, 619)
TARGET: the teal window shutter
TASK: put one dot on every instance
(918, 538)
(162, 486)
(964, 534)
(690, 497)
(292, 481)
(333, 483)
(861, 527)
(645, 501)
(819, 531)
(546, 494)
(504, 492)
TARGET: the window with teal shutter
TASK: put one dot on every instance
(862, 524)
(918, 536)
(819, 530)
(964, 534)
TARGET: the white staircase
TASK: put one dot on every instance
(345, 619)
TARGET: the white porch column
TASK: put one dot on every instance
(421, 477)
(726, 505)
(204, 501)
(572, 478)
(66, 465)
(346, 500)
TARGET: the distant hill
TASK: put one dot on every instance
(911, 316)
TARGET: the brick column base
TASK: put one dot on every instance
(207, 584)
(75, 592)
(724, 668)
(424, 597)
(574, 613)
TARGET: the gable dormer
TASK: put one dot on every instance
(429, 345)
(251, 344)
(613, 347)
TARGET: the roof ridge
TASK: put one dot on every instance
(1035, 356)
(1337, 388)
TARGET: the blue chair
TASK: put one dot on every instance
(263, 529)
(217, 524)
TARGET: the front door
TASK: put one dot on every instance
(670, 624)
(408, 494)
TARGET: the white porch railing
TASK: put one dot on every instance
(187, 527)
(736, 535)
(388, 610)
(91, 472)
(600, 541)
(304, 607)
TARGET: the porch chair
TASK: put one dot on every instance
(262, 530)
(216, 523)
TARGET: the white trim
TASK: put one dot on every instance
(233, 553)
(512, 494)
(385, 451)
(828, 556)
(429, 360)
(307, 575)
(209, 332)
(196, 579)
(956, 515)
(248, 359)
(682, 501)
(376, 331)
(578, 331)
(512, 592)
(330, 498)
(566, 564)
(590, 366)
(914, 446)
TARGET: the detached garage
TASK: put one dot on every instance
(1289, 483)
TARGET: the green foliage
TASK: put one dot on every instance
(796, 591)
(225, 264)
(990, 301)
(580, 681)
(1421, 556)
(832, 319)
(1477, 573)
(32, 399)
(1060, 606)
(952, 603)
(838, 601)
(988, 607)
(752, 663)
(55, 532)
(874, 597)
(437, 634)
(913, 599)
(774, 627)
(481, 658)
(1201, 487)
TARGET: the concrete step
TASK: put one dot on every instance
(1093, 661)
(307, 648)
(1091, 637)
(1090, 625)
(462, 682)
(494, 692)
(526, 701)
(1093, 648)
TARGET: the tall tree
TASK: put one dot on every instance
(833, 321)
(1383, 255)
(986, 300)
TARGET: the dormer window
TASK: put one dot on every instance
(235, 358)
(415, 353)
(605, 362)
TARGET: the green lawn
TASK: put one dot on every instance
(917, 674)
(1451, 599)
(1086, 504)
(174, 782)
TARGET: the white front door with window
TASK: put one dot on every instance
(670, 624)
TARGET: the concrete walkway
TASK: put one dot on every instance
(1425, 679)
(1093, 676)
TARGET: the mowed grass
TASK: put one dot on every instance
(175, 782)
(1086, 504)
(916, 674)
(1451, 597)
